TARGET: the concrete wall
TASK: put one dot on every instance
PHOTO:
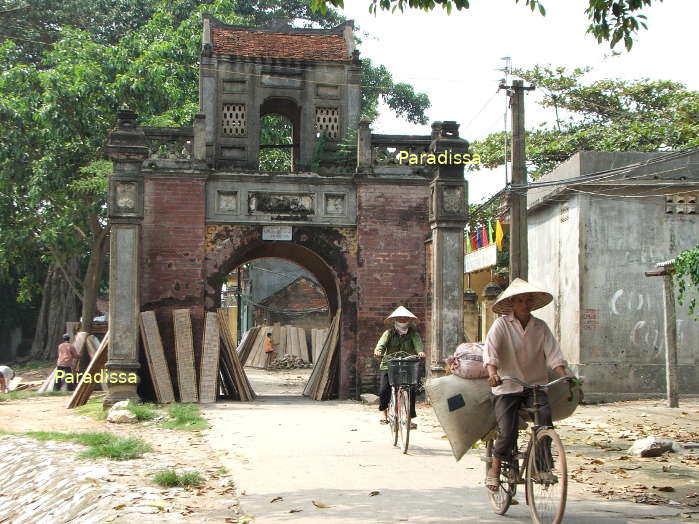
(591, 251)
(554, 267)
(622, 336)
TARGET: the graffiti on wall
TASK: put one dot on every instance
(648, 329)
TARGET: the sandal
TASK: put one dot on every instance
(384, 421)
(492, 483)
(413, 425)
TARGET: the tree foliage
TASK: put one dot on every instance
(67, 66)
(605, 115)
(610, 20)
(686, 277)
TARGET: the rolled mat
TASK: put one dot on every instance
(465, 410)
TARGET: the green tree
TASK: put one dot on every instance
(605, 115)
(610, 20)
(686, 277)
(59, 92)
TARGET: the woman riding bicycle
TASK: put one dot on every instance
(521, 346)
(401, 337)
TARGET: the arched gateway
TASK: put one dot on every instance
(188, 205)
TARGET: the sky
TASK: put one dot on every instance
(454, 59)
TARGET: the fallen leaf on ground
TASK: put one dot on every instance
(276, 499)
(320, 505)
(374, 493)
(664, 488)
(295, 510)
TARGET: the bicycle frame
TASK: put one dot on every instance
(515, 472)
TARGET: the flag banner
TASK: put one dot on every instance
(499, 234)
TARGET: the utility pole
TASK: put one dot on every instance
(519, 265)
(665, 270)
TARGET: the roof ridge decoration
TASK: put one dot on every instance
(336, 44)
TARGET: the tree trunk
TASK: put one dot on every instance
(58, 306)
(91, 282)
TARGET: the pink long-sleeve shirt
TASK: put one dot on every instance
(522, 353)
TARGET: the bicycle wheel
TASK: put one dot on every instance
(502, 498)
(404, 408)
(393, 417)
(547, 478)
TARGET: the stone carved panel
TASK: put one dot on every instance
(334, 204)
(281, 203)
(126, 196)
(227, 202)
(452, 198)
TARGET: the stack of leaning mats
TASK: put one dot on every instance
(323, 380)
(234, 381)
(84, 389)
(219, 367)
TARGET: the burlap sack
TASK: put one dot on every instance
(465, 411)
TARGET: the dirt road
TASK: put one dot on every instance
(290, 455)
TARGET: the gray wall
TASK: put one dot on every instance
(591, 252)
(554, 266)
(624, 350)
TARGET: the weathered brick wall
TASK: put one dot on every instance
(173, 235)
(173, 240)
(391, 232)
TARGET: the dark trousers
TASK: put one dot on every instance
(69, 383)
(385, 395)
(506, 408)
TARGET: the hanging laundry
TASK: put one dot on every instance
(498, 235)
(491, 238)
(467, 242)
(474, 244)
(479, 239)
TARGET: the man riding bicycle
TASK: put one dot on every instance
(401, 337)
(521, 346)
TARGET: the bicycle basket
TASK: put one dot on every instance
(403, 372)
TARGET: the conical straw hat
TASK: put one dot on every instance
(517, 287)
(400, 312)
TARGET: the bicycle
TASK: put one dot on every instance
(544, 463)
(402, 375)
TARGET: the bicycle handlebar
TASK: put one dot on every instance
(533, 386)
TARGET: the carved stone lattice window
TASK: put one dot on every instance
(233, 119)
(328, 121)
(684, 204)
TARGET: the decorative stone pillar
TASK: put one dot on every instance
(364, 146)
(127, 149)
(471, 316)
(448, 215)
(490, 293)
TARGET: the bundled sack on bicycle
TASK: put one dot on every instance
(464, 403)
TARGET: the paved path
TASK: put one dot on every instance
(336, 453)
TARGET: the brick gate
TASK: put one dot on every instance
(189, 205)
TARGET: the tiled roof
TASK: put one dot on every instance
(279, 45)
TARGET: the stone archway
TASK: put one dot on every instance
(326, 252)
(289, 109)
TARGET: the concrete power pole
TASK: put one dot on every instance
(519, 265)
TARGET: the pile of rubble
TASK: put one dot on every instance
(289, 362)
